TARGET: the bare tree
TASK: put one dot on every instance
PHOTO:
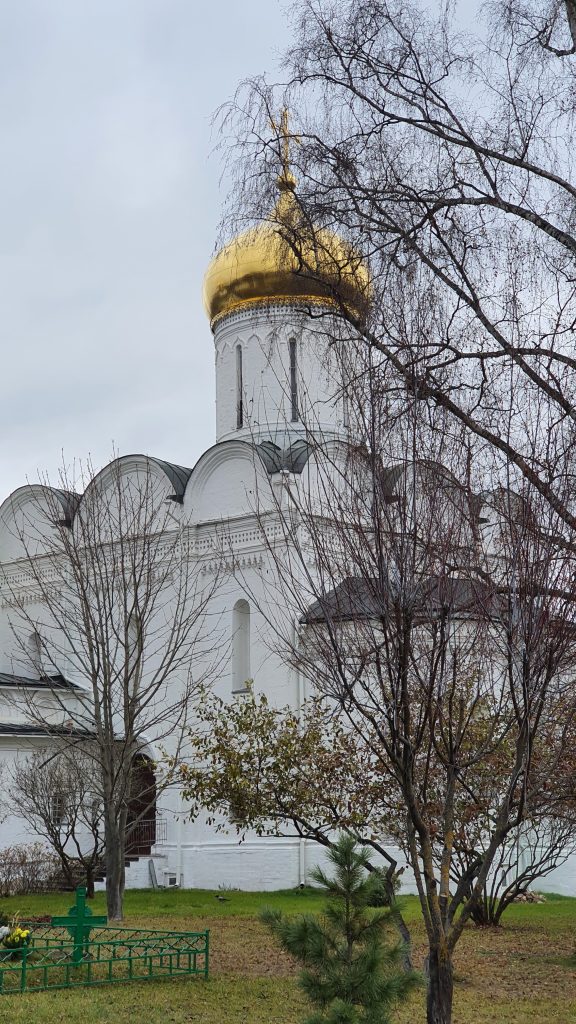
(445, 157)
(531, 852)
(105, 590)
(57, 793)
(436, 628)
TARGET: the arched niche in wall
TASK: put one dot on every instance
(293, 380)
(239, 388)
(240, 646)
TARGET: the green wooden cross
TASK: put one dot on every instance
(79, 922)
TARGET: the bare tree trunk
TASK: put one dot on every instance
(115, 869)
(440, 985)
(404, 933)
(66, 869)
(90, 883)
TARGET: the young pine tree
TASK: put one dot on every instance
(351, 974)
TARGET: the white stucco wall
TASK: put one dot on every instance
(264, 334)
(228, 501)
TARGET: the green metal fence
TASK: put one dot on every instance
(108, 956)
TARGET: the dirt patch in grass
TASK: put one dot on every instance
(517, 973)
(243, 946)
(522, 962)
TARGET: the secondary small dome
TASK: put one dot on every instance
(260, 265)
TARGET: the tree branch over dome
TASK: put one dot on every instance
(286, 259)
(444, 158)
(286, 179)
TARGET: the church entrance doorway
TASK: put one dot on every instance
(141, 821)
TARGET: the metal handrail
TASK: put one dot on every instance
(148, 832)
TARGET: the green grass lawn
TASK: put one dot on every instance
(180, 903)
(522, 973)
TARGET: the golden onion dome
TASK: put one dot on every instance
(279, 261)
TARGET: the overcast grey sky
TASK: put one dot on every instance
(109, 208)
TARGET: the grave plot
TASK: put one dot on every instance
(80, 949)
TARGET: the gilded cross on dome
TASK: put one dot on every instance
(286, 180)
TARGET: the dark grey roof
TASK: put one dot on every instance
(16, 729)
(69, 502)
(56, 682)
(358, 599)
(293, 459)
(391, 476)
(177, 475)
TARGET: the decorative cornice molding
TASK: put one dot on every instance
(232, 564)
(278, 305)
(21, 599)
(214, 546)
(227, 342)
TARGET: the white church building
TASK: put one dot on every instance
(278, 379)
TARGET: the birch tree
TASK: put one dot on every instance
(445, 156)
